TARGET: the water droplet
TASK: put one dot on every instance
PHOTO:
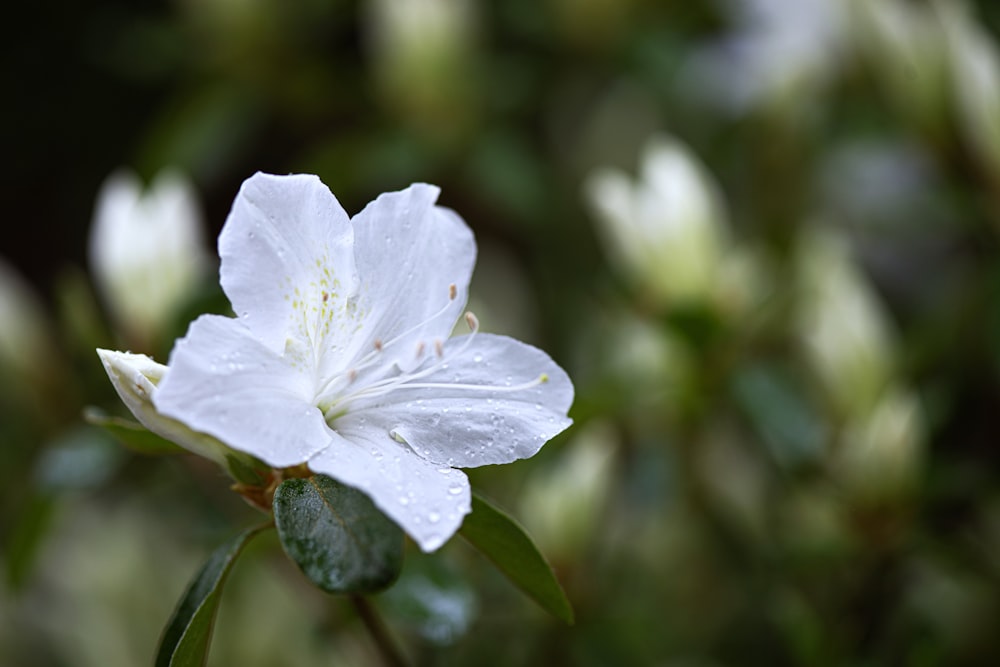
(404, 501)
(455, 489)
(478, 358)
(433, 517)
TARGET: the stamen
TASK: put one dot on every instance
(326, 297)
(472, 321)
(438, 347)
(452, 292)
(378, 344)
(420, 349)
(352, 375)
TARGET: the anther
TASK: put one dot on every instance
(352, 375)
(326, 296)
(420, 349)
(472, 321)
(452, 291)
(378, 344)
(439, 347)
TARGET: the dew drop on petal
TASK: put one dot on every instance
(433, 517)
(478, 358)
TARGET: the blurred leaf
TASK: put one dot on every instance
(186, 639)
(202, 133)
(501, 539)
(336, 535)
(81, 458)
(783, 418)
(31, 526)
(432, 599)
(132, 434)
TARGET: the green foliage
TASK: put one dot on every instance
(501, 539)
(187, 637)
(336, 536)
(131, 433)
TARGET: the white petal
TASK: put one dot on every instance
(409, 253)
(224, 382)
(135, 377)
(288, 260)
(452, 424)
(428, 501)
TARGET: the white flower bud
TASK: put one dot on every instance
(903, 45)
(844, 328)
(562, 504)
(422, 51)
(974, 70)
(146, 251)
(666, 230)
(26, 346)
(135, 378)
(880, 454)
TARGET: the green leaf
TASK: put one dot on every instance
(31, 526)
(501, 539)
(336, 536)
(186, 638)
(132, 434)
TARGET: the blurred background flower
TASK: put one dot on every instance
(761, 237)
(146, 253)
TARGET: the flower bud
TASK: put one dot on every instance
(845, 331)
(664, 231)
(880, 454)
(26, 346)
(146, 252)
(423, 51)
(974, 69)
(135, 378)
(562, 505)
(777, 57)
(903, 44)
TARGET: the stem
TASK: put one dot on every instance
(391, 655)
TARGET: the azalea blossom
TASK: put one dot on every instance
(340, 355)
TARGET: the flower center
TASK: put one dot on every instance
(336, 396)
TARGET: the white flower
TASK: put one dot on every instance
(340, 357)
(146, 251)
(666, 229)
